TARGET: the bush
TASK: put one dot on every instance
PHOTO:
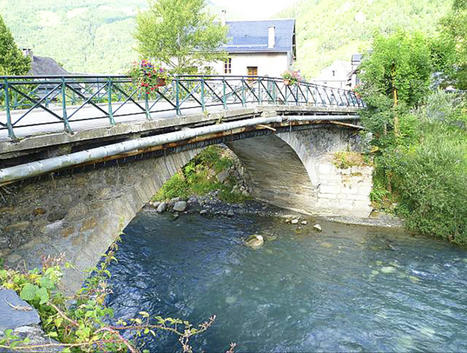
(198, 177)
(432, 186)
(426, 170)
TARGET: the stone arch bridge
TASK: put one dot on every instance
(80, 156)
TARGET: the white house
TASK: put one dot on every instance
(335, 75)
(263, 48)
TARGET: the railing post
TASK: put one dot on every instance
(296, 94)
(224, 97)
(109, 99)
(260, 100)
(203, 103)
(11, 134)
(177, 96)
(146, 104)
(274, 92)
(64, 112)
(243, 92)
(286, 95)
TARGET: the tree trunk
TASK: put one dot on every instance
(394, 94)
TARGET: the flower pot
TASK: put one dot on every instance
(160, 82)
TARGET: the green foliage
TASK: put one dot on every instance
(84, 326)
(400, 62)
(328, 30)
(344, 160)
(454, 31)
(179, 33)
(425, 171)
(198, 177)
(12, 60)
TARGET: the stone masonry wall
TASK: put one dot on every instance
(79, 214)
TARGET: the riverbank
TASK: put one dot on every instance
(210, 205)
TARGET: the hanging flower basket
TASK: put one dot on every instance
(291, 77)
(148, 77)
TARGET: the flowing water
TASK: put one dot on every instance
(344, 289)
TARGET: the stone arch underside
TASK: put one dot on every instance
(296, 170)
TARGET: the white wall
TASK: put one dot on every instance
(269, 64)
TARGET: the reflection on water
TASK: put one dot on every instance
(348, 288)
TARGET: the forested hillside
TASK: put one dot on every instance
(83, 35)
(335, 29)
(96, 35)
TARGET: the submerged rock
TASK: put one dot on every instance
(203, 212)
(388, 269)
(254, 241)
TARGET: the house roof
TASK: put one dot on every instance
(46, 66)
(252, 36)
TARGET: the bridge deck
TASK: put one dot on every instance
(133, 124)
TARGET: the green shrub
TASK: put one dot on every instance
(431, 184)
(198, 177)
(425, 170)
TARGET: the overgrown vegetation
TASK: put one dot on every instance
(419, 134)
(200, 176)
(12, 60)
(86, 324)
(344, 160)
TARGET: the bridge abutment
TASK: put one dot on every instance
(296, 170)
(80, 214)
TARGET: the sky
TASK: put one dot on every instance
(252, 9)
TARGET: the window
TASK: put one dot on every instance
(228, 66)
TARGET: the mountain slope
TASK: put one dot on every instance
(83, 35)
(328, 30)
(96, 35)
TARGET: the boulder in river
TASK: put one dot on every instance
(317, 227)
(254, 241)
(294, 221)
(180, 206)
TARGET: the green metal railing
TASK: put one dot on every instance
(34, 101)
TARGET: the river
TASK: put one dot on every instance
(348, 288)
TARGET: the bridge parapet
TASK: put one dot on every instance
(43, 104)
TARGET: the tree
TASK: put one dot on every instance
(454, 28)
(179, 33)
(12, 60)
(396, 75)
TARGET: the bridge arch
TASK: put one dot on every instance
(81, 213)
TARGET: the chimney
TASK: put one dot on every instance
(271, 37)
(27, 52)
(223, 17)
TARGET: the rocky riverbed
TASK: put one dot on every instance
(210, 206)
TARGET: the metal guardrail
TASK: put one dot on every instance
(61, 99)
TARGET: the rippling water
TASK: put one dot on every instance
(340, 290)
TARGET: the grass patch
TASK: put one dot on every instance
(344, 160)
